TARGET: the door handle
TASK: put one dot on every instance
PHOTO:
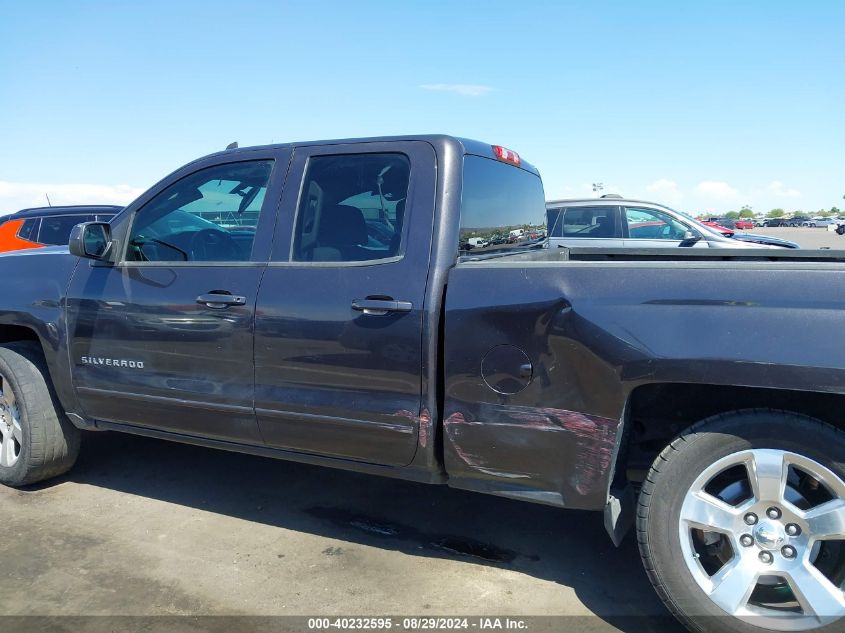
(378, 307)
(218, 300)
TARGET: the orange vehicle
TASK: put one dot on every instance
(48, 226)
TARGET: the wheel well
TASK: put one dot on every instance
(657, 413)
(11, 333)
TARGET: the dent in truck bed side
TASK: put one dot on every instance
(592, 332)
(553, 440)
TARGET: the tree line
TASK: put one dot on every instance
(748, 212)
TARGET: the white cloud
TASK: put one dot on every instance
(716, 189)
(466, 90)
(19, 195)
(663, 185)
(667, 190)
(782, 191)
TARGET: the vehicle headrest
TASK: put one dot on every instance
(342, 225)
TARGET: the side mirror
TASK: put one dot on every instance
(690, 238)
(91, 240)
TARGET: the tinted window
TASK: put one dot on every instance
(583, 222)
(208, 216)
(29, 230)
(502, 207)
(650, 224)
(352, 208)
(56, 230)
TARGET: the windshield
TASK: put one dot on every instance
(502, 208)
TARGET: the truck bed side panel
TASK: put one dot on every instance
(569, 341)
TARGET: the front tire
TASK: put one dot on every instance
(741, 524)
(37, 441)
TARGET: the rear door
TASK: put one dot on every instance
(578, 226)
(339, 319)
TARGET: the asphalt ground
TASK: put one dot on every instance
(806, 237)
(144, 527)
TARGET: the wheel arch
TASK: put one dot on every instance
(14, 333)
(656, 413)
(50, 347)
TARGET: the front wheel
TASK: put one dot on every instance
(37, 441)
(840, 229)
(741, 524)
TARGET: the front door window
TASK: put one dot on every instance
(651, 224)
(209, 216)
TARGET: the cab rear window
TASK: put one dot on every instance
(502, 207)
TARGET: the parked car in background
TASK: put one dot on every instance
(48, 226)
(773, 222)
(717, 227)
(753, 238)
(619, 222)
(798, 220)
(742, 224)
(722, 225)
(824, 222)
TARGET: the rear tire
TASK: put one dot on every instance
(38, 441)
(716, 571)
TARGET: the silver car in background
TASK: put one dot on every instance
(616, 222)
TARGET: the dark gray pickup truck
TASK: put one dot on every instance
(389, 306)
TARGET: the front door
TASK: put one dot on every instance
(163, 338)
(651, 228)
(339, 321)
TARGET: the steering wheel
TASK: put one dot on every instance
(213, 245)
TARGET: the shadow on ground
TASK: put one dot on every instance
(567, 547)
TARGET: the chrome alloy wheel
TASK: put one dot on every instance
(763, 534)
(11, 434)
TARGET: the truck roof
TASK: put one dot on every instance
(71, 209)
(461, 145)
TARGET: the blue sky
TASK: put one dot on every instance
(703, 106)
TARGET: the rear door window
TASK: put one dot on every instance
(584, 222)
(55, 231)
(352, 208)
(29, 230)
